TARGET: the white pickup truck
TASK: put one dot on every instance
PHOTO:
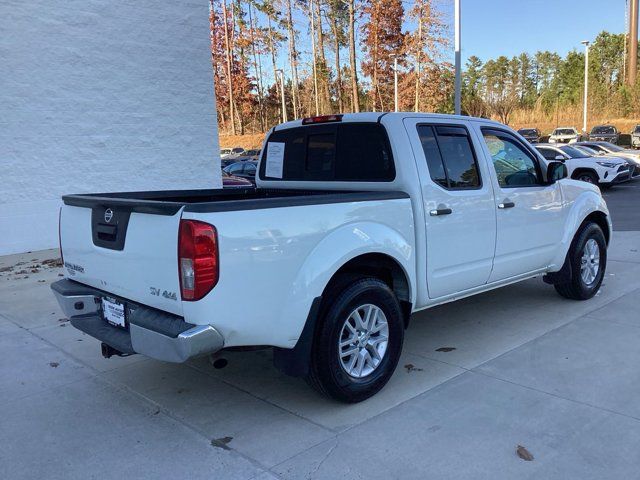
(357, 221)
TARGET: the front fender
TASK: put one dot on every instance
(336, 249)
(580, 201)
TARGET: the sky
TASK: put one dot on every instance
(491, 28)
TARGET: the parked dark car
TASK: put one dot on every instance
(245, 170)
(225, 162)
(248, 155)
(532, 135)
(635, 137)
(604, 133)
(231, 181)
(253, 154)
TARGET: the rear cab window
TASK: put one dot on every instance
(339, 152)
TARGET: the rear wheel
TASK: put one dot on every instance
(587, 260)
(358, 340)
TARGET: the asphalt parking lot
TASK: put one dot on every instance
(519, 366)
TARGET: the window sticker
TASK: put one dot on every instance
(275, 159)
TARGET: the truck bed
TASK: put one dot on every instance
(168, 202)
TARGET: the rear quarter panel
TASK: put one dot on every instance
(274, 262)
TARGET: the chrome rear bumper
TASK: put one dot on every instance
(153, 333)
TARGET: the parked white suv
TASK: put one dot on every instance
(604, 171)
(609, 149)
(564, 135)
(357, 221)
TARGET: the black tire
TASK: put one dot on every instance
(326, 373)
(588, 177)
(576, 288)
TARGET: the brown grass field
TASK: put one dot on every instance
(523, 118)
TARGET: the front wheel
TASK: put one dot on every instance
(588, 177)
(358, 341)
(587, 259)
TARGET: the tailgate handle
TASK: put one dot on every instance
(106, 232)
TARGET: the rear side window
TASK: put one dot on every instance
(354, 152)
(450, 157)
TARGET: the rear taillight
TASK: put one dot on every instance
(197, 259)
(60, 235)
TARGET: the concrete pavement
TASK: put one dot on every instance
(522, 366)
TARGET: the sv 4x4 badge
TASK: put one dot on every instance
(164, 293)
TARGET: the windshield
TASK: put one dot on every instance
(611, 147)
(572, 152)
(564, 131)
(527, 131)
(603, 129)
(587, 151)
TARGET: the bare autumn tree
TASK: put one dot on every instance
(338, 18)
(314, 64)
(219, 62)
(353, 70)
(382, 38)
(425, 45)
(273, 35)
(293, 60)
(257, 65)
(228, 46)
(244, 98)
(322, 68)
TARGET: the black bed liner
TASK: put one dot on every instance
(169, 202)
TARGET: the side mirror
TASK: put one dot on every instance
(556, 171)
(560, 158)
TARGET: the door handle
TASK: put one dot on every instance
(440, 211)
(504, 205)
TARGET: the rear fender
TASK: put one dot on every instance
(336, 249)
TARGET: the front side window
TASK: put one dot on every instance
(571, 152)
(548, 153)
(515, 166)
(450, 157)
(612, 147)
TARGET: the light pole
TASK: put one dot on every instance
(395, 81)
(458, 79)
(586, 84)
(284, 106)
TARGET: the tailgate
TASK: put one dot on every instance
(125, 250)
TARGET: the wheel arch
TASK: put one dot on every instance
(383, 267)
(588, 206)
(576, 173)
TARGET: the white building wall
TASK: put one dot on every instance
(98, 96)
